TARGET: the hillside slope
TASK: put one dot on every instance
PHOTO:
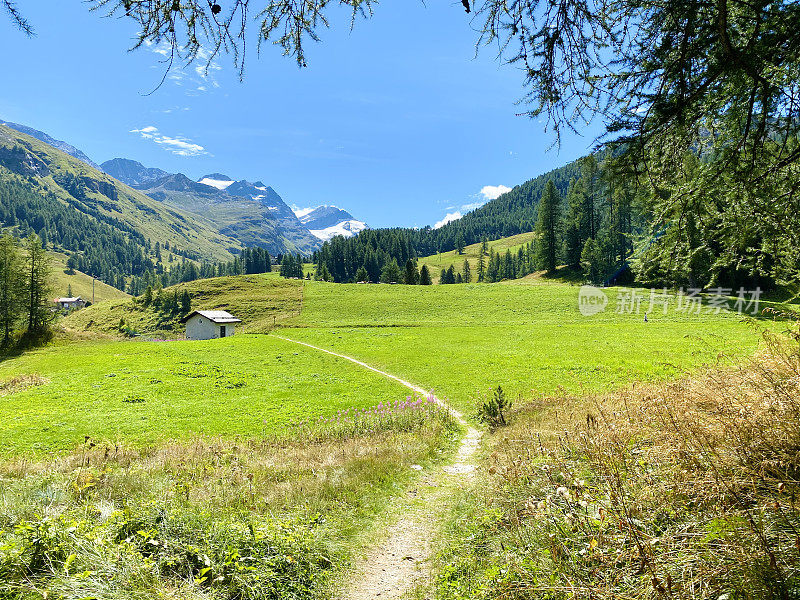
(80, 283)
(437, 262)
(512, 213)
(57, 144)
(55, 180)
(259, 300)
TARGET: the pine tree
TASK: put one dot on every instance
(287, 266)
(391, 272)
(548, 227)
(362, 275)
(411, 276)
(451, 274)
(11, 286)
(186, 302)
(443, 276)
(576, 228)
(467, 272)
(591, 260)
(481, 267)
(425, 276)
(460, 242)
(322, 273)
(590, 180)
(37, 286)
(69, 290)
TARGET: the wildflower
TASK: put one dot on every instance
(562, 491)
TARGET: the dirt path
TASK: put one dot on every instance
(399, 561)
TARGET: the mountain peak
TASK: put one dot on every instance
(217, 180)
(326, 221)
(217, 176)
(131, 172)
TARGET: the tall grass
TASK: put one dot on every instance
(686, 489)
(206, 518)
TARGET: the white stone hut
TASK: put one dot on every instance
(210, 324)
(70, 303)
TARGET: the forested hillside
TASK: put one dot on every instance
(110, 230)
(605, 220)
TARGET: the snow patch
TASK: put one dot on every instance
(302, 212)
(220, 185)
(345, 228)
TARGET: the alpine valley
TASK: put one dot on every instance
(119, 216)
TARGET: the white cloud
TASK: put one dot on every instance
(203, 66)
(177, 145)
(161, 48)
(453, 216)
(492, 192)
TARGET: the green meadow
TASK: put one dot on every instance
(146, 392)
(458, 340)
(164, 461)
(531, 339)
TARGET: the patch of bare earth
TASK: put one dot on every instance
(21, 383)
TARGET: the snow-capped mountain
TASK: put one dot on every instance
(217, 180)
(326, 222)
(251, 213)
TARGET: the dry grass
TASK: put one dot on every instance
(21, 382)
(687, 489)
(210, 517)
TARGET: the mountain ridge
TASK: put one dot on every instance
(57, 144)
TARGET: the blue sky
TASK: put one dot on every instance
(397, 121)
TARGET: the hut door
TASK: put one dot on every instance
(222, 331)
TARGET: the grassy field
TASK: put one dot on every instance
(81, 283)
(527, 336)
(209, 518)
(437, 262)
(174, 469)
(530, 339)
(141, 393)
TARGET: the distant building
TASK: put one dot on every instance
(210, 324)
(70, 303)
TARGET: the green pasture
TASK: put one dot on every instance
(531, 339)
(458, 340)
(144, 392)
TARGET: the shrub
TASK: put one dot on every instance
(492, 411)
